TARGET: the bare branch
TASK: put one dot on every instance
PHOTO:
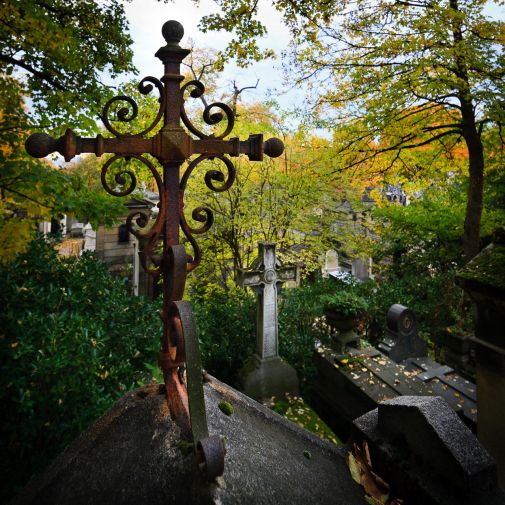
(42, 75)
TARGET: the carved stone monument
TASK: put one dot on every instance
(265, 374)
(331, 265)
(420, 447)
(402, 340)
(483, 278)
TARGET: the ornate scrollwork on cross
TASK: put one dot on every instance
(130, 112)
(203, 214)
(209, 117)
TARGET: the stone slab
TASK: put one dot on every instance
(350, 384)
(457, 391)
(131, 456)
(421, 447)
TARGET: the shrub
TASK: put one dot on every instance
(299, 309)
(226, 322)
(345, 303)
(72, 341)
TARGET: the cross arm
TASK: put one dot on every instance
(249, 279)
(40, 145)
(253, 147)
(178, 144)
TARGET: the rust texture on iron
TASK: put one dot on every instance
(171, 146)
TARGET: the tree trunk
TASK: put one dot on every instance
(471, 235)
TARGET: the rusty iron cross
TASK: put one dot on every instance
(171, 146)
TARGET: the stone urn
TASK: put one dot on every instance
(342, 311)
(342, 327)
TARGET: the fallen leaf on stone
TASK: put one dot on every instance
(354, 468)
(360, 466)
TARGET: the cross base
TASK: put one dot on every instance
(262, 378)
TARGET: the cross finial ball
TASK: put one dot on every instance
(172, 32)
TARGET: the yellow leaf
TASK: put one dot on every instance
(354, 468)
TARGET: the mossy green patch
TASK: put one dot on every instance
(226, 408)
(487, 268)
(296, 410)
(185, 447)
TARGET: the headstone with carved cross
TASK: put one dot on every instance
(266, 374)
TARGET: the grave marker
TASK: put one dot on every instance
(266, 374)
(354, 382)
(420, 447)
(402, 340)
(331, 263)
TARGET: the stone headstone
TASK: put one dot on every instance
(483, 278)
(265, 374)
(330, 263)
(76, 229)
(402, 340)
(423, 450)
(133, 455)
(361, 269)
(89, 238)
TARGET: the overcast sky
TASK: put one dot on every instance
(146, 18)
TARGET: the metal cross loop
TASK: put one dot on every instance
(171, 146)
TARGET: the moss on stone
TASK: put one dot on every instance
(226, 407)
(185, 447)
(487, 268)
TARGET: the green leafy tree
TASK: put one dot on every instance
(35, 190)
(53, 57)
(59, 51)
(283, 200)
(377, 65)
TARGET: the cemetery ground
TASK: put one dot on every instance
(74, 341)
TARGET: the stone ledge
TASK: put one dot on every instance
(131, 456)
